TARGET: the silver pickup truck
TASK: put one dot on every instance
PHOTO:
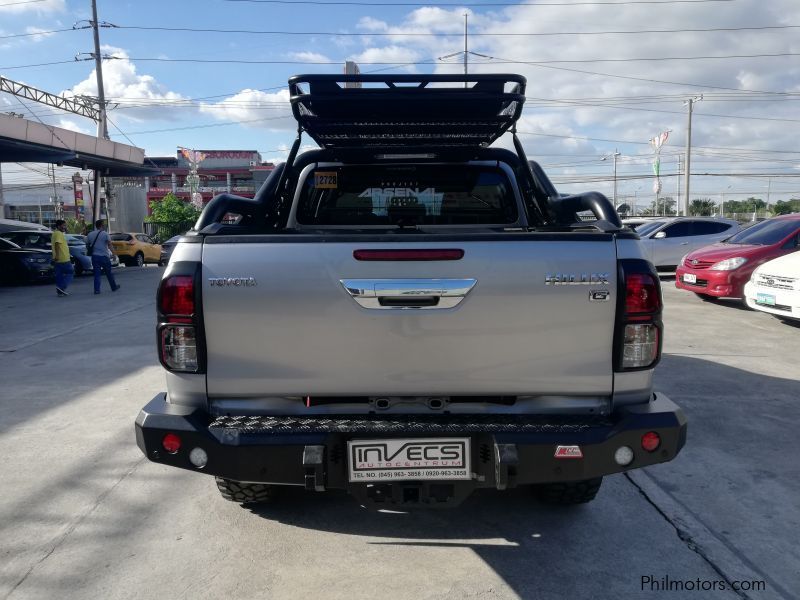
(409, 314)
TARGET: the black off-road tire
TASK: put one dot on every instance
(245, 493)
(569, 492)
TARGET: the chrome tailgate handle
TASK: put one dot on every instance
(400, 294)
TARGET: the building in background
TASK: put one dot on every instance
(239, 172)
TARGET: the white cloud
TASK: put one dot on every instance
(43, 7)
(370, 24)
(39, 33)
(140, 97)
(255, 109)
(310, 57)
(72, 125)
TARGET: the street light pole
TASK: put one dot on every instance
(690, 103)
(614, 155)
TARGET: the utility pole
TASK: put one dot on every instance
(466, 49)
(102, 128)
(678, 184)
(614, 155)
(690, 103)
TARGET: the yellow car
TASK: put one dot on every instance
(135, 249)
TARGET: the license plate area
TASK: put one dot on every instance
(765, 299)
(409, 459)
(689, 278)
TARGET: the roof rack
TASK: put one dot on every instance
(419, 111)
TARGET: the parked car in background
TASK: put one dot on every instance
(42, 240)
(23, 265)
(167, 248)
(13, 225)
(775, 287)
(722, 270)
(81, 241)
(135, 249)
(636, 222)
(667, 239)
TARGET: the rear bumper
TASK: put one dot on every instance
(505, 450)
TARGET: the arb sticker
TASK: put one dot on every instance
(326, 180)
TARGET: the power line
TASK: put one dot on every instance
(226, 124)
(17, 35)
(47, 64)
(493, 62)
(469, 4)
(22, 2)
(441, 34)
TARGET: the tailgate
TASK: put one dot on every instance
(297, 330)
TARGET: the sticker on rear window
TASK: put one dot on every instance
(326, 180)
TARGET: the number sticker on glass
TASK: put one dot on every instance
(326, 180)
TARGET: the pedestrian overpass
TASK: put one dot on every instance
(23, 140)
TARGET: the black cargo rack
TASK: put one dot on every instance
(409, 111)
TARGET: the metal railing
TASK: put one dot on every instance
(161, 231)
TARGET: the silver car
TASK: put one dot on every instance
(667, 239)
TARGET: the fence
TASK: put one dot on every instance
(162, 231)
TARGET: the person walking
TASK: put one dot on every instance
(63, 266)
(100, 249)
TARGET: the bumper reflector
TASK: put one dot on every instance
(171, 443)
(198, 457)
(651, 441)
(623, 456)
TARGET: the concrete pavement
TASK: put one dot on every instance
(84, 515)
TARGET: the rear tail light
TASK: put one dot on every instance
(179, 347)
(180, 337)
(640, 346)
(638, 335)
(131, 243)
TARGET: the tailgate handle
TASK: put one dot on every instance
(422, 294)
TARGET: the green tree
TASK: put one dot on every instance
(171, 209)
(785, 207)
(665, 206)
(702, 207)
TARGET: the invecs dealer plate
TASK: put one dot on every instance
(408, 459)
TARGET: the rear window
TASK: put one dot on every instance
(407, 195)
(121, 237)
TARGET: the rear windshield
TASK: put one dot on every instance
(765, 233)
(407, 196)
(120, 237)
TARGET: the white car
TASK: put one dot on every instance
(775, 287)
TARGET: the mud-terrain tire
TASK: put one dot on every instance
(569, 492)
(245, 493)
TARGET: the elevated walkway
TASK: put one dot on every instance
(22, 140)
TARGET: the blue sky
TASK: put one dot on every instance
(745, 129)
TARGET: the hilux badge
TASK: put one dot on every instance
(575, 278)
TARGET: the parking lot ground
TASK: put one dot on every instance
(84, 515)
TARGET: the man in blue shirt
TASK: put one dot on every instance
(100, 248)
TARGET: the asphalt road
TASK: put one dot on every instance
(84, 515)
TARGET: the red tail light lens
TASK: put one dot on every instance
(171, 443)
(177, 296)
(651, 441)
(131, 243)
(641, 294)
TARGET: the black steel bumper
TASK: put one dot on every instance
(507, 450)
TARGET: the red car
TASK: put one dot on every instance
(722, 269)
